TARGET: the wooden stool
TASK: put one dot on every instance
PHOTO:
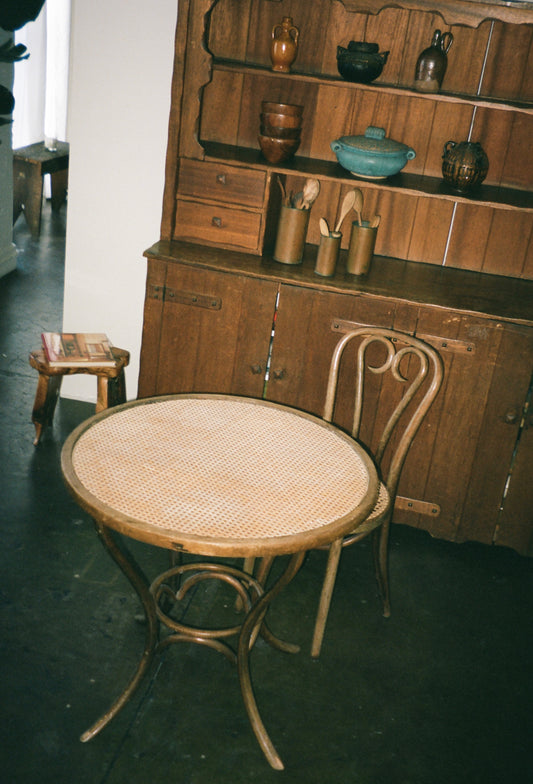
(30, 164)
(111, 386)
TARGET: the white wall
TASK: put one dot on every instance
(119, 100)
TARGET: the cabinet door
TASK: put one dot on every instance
(474, 426)
(515, 523)
(304, 341)
(453, 430)
(456, 472)
(509, 428)
(214, 332)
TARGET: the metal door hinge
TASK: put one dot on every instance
(419, 507)
(446, 344)
(441, 344)
(168, 294)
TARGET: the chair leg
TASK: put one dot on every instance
(334, 555)
(381, 563)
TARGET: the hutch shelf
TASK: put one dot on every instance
(457, 270)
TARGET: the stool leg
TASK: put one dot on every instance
(59, 182)
(19, 190)
(48, 388)
(111, 391)
(31, 176)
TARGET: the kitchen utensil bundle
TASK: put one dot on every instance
(293, 222)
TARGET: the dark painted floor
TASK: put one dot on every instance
(441, 692)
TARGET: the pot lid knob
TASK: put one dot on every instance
(375, 133)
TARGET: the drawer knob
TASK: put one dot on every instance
(216, 222)
(221, 179)
(511, 416)
(279, 374)
(257, 369)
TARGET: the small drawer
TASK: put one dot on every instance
(221, 183)
(197, 222)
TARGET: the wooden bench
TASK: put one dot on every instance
(30, 164)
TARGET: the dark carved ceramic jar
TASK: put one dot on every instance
(464, 165)
(360, 62)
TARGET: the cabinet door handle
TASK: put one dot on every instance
(216, 222)
(279, 374)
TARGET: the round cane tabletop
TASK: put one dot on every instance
(219, 475)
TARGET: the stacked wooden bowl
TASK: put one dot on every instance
(280, 130)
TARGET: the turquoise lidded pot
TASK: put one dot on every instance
(372, 156)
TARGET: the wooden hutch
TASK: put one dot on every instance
(456, 270)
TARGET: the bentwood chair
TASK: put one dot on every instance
(397, 378)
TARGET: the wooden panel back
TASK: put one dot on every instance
(228, 29)
(488, 240)
(506, 72)
(221, 108)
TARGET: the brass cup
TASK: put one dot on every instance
(361, 248)
(292, 233)
(328, 253)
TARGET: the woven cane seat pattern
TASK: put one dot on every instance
(222, 468)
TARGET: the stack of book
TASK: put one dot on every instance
(64, 349)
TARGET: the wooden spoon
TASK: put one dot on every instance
(296, 200)
(310, 192)
(375, 221)
(324, 228)
(347, 204)
(282, 189)
(358, 205)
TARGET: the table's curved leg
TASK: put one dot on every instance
(216, 645)
(252, 621)
(129, 567)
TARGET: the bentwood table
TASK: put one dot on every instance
(220, 476)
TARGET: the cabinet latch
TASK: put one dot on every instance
(416, 506)
(168, 294)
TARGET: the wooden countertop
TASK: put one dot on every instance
(492, 296)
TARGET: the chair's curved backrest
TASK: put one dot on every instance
(416, 372)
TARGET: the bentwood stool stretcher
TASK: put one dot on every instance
(110, 386)
(223, 477)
